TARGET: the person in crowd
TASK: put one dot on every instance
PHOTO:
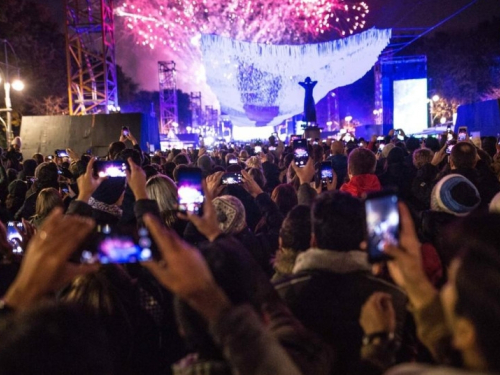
(15, 199)
(285, 197)
(396, 174)
(205, 163)
(28, 169)
(47, 176)
(47, 200)
(243, 156)
(295, 238)
(254, 162)
(164, 191)
(168, 169)
(103, 203)
(424, 180)
(111, 295)
(458, 327)
(13, 157)
(361, 172)
(181, 159)
(453, 196)
(339, 162)
(463, 160)
(38, 158)
(332, 279)
(271, 170)
(114, 149)
(258, 176)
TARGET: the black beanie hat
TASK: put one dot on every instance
(110, 190)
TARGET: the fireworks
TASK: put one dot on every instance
(178, 24)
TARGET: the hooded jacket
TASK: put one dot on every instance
(363, 183)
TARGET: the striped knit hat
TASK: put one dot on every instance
(456, 195)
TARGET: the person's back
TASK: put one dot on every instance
(361, 168)
(332, 280)
(397, 174)
(339, 162)
(463, 161)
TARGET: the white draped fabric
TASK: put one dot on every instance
(258, 83)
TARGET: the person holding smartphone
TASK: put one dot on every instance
(333, 278)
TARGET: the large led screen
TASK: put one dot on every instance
(410, 105)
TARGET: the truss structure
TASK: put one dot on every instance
(168, 96)
(196, 109)
(90, 56)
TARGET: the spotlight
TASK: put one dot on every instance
(18, 85)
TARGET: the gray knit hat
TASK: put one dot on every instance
(230, 214)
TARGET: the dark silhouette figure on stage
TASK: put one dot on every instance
(309, 105)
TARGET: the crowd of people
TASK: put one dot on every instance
(271, 277)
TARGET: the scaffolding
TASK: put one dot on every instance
(168, 96)
(196, 109)
(90, 57)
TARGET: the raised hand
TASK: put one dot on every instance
(206, 224)
(88, 183)
(183, 270)
(250, 185)
(45, 267)
(213, 184)
(305, 174)
(136, 179)
(406, 267)
(377, 314)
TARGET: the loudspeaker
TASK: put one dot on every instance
(44, 134)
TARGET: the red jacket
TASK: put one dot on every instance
(363, 183)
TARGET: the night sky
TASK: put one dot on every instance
(383, 14)
(400, 13)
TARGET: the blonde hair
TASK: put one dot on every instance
(47, 200)
(164, 191)
(254, 162)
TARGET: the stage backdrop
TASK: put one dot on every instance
(45, 134)
(481, 117)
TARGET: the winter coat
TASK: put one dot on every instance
(326, 294)
(361, 184)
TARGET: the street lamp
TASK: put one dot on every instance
(16, 84)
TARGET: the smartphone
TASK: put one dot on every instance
(272, 148)
(382, 223)
(293, 137)
(125, 131)
(380, 138)
(449, 137)
(300, 153)
(257, 149)
(61, 154)
(110, 169)
(462, 133)
(50, 157)
(64, 188)
(233, 161)
(232, 178)
(381, 147)
(326, 172)
(401, 137)
(448, 149)
(121, 244)
(14, 237)
(190, 192)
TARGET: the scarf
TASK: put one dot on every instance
(108, 208)
(363, 183)
(334, 261)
